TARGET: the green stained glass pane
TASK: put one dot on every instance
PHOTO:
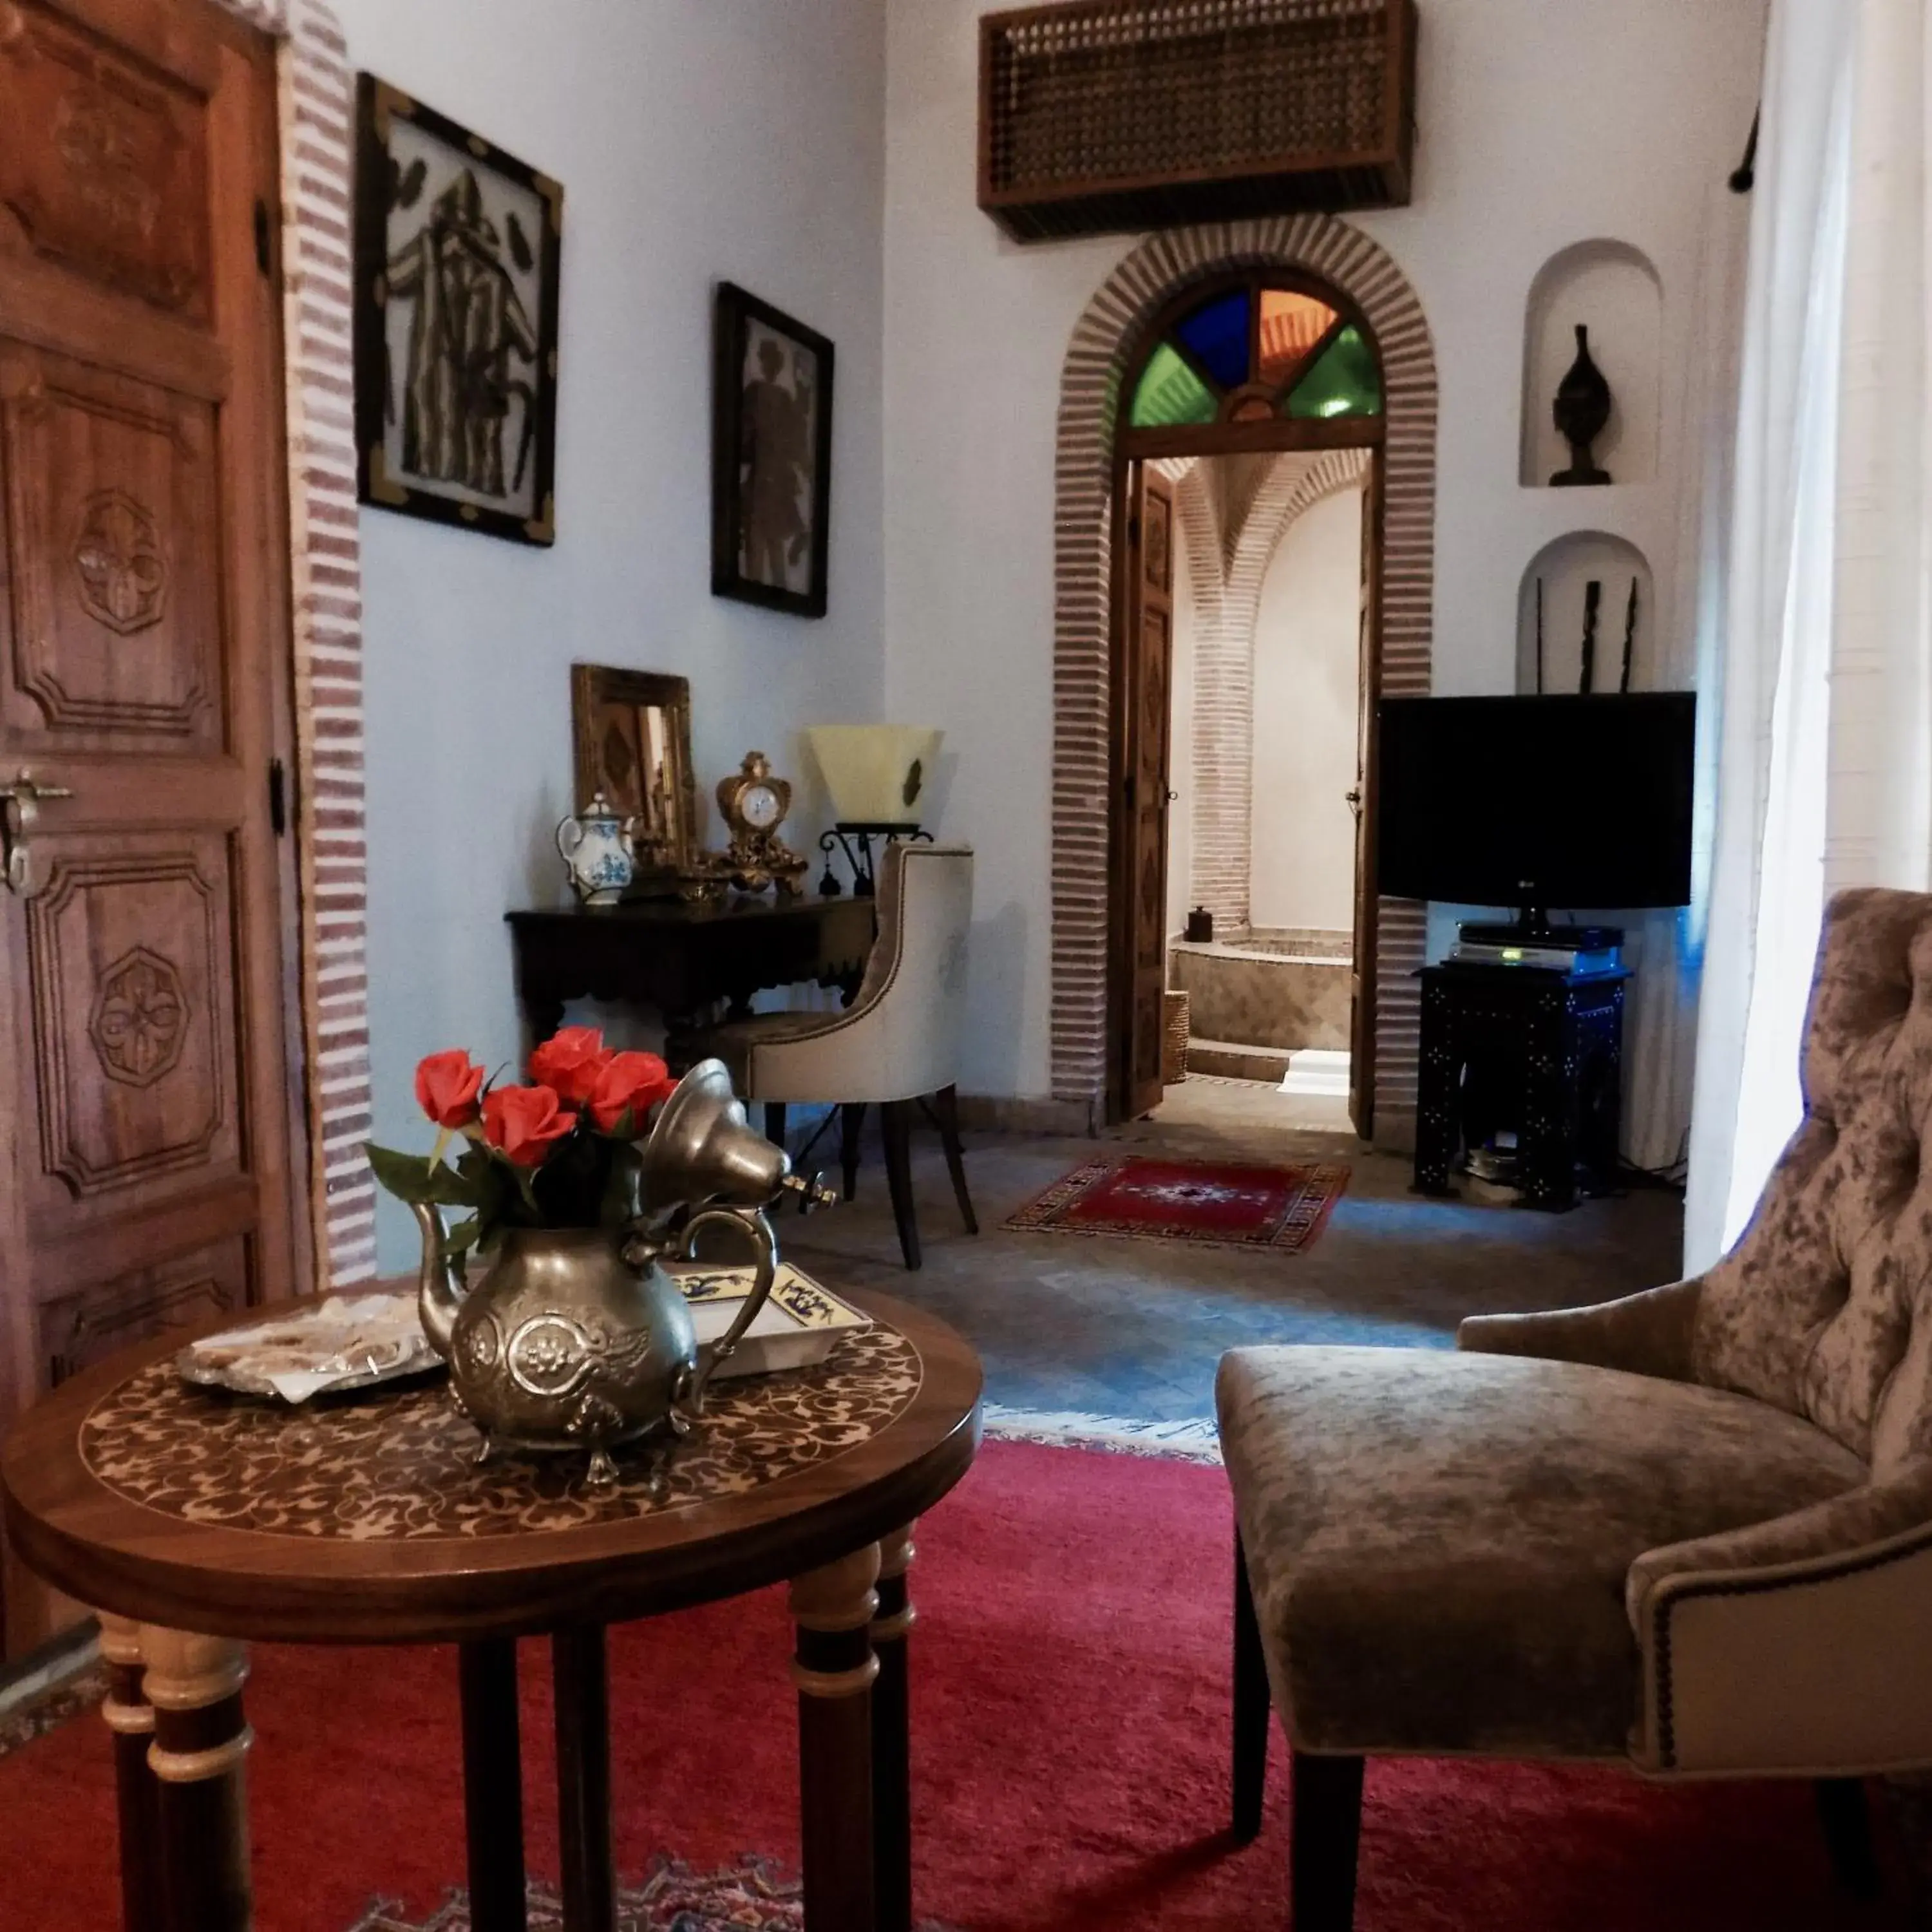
(1344, 381)
(1171, 392)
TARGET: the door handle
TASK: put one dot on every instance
(1353, 797)
(19, 804)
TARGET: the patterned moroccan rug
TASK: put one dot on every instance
(750, 1896)
(1281, 1209)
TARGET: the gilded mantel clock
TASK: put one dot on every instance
(754, 804)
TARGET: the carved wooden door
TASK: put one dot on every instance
(145, 1114)
(1145, 711)
(1362, 970)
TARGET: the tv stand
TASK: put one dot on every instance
(1527, 1047)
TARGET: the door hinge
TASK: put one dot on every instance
(264, 239)
(278, 797)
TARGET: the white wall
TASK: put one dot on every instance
(1302, 850)
(1543, 123)
(695, 139)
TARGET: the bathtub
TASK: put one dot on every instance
(1279, 989)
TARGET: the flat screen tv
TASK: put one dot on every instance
(1535, 803)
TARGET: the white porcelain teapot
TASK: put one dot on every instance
(596, 847)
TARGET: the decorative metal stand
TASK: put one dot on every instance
(855, 840)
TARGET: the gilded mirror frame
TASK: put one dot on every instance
(609, 712)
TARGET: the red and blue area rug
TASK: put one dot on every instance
(1070, 1703)
(1281, 1209)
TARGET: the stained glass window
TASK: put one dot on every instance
(1291, 325)
(1217, 332)
(1344, 381)
(1251, 353)
(1170, 392)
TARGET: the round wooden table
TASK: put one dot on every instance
(194, 1522)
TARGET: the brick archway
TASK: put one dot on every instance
(1103, 342)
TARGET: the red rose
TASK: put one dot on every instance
(631, 1084)
(569, 1062)
(447, 1085)
(523, 1123)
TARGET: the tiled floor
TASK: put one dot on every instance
(1134, 1328)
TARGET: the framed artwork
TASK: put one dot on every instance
(631, 738)
(771, 456)
(457, 247)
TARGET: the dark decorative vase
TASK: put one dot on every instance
(1581, 409)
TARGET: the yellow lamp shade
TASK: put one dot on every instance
(877, 774)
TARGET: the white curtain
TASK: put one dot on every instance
(1824, 738)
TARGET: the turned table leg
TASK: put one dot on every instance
(581, 1668)
(201, 1740)
(834, 1669)
(492, 1784)
(131, 1718)
(892, 1738)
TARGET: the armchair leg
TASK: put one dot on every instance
(1846, 1819)
(1251, 1707)
(775, 1122)
(945, 1117)
(851, 1121)
(1325, 1824)
(896, 1127)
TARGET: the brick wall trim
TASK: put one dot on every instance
(1105, 342)
(317, 117)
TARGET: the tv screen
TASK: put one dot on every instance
(1537, 802)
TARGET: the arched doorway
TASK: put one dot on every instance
(1166, 275)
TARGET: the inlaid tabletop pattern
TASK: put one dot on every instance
(401, 1464)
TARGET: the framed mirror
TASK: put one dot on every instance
(631, 735)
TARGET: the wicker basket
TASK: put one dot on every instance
(1173, 1039)
(1134, 114)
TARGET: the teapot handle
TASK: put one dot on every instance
(758, 1229)
(566, 847)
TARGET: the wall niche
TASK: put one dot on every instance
(1612, 290)
(1565, 569)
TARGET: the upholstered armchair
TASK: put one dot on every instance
(1689, 1531)
(896, 1046)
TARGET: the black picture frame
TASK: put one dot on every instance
(789, 404)
(435, 202)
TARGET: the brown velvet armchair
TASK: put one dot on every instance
(1690, 1531)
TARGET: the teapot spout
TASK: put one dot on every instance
(437, 1297)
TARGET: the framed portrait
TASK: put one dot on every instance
(458, 248)
(771, 456)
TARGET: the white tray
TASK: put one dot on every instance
(799, 1325)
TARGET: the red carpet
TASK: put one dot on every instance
(1071, 1743)
(1281, 1208)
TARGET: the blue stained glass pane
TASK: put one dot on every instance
(1217, 333)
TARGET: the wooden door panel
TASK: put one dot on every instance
(133, 1016)
(114, 634)
(75, 1330)
(145, 1120)
(1139, 971)
(104, 160)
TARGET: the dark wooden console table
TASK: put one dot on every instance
(684, 960)
(1527, 1047)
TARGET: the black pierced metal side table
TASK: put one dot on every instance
(1525, 1047)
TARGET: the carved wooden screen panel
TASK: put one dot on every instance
(144, 1105)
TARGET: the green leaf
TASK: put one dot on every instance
(620, 1203)
(411, 1178)
(466, 1234)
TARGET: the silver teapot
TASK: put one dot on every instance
(576, 1338)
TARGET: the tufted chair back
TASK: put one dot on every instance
(1824, 1307)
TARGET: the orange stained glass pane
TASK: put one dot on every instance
(1291, 325)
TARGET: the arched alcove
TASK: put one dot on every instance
(1564, 570)
(1612, 290)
